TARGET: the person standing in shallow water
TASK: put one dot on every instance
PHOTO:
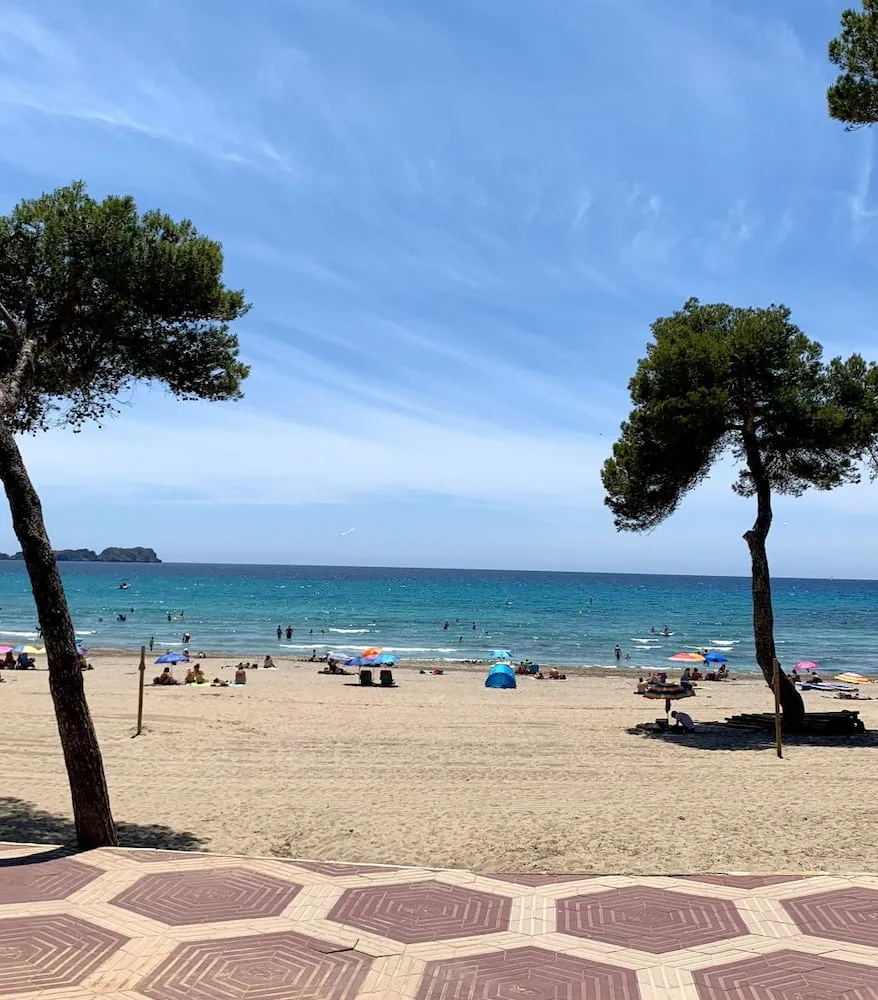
(280, 633)
(289, 632)
(618, 652)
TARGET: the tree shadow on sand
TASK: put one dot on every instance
(719, 736)
(24, 823)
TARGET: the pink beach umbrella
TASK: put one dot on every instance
(687, 657)
(5, 649)
(806, 665)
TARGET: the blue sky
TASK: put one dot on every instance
(456, 220)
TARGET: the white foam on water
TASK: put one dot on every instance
(26, 635)
(420, 649)
(350, 631)
(316, 645)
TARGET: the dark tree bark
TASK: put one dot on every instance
(763, 612)
(82, 755)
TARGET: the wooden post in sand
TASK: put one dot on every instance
(777, 715)
(142, 672)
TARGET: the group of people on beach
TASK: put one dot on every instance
(688, 679)
(195, 675)
(529, 669)
(21, 662)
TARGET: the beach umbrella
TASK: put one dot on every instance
(383, 660)
(173, 658)
(668, 693)
(501, 654)
(30, 650)
(80, 650)
(5, 649)
(853, 678)
(715, 658)
(372, 652)
(687, 657)
(806, 665)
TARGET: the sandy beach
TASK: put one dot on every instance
(443, 772)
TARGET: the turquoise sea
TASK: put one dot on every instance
(565, 618)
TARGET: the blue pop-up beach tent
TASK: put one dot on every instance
(501, 675)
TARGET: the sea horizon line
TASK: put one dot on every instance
(452, 569)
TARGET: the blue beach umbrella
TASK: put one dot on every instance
(715, 658)
(173, 658)
(385, 659)
(80, 650)
(501, 654)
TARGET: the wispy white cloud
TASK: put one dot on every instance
(257, 459)
(64, 68)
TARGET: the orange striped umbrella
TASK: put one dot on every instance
(372, 651)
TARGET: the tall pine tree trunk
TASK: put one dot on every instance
(763, 612)
(82, 755)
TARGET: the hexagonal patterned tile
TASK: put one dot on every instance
(207, 895)
(422, 911)
(339, 869)
(787, 975)
(51, 952)
(150, 855)
(282, 966)
(743, 881)
(537, 880)
(652, 920)
(842, 914)
(29, 880)
(531, 973)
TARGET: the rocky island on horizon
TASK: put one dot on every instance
(113, 554)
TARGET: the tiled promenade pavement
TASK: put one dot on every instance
(155, 925)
